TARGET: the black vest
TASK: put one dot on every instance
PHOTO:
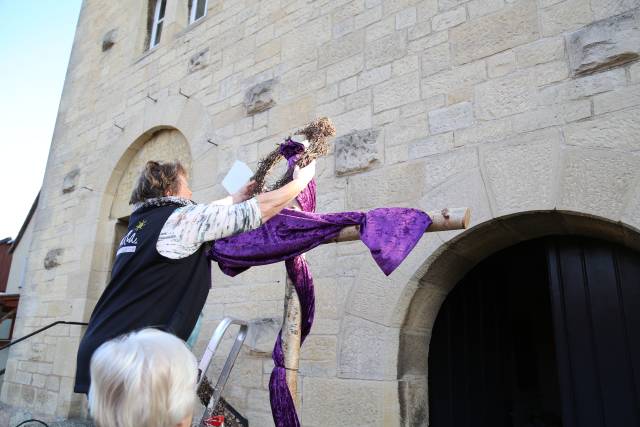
(146, 289)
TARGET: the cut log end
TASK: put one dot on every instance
(450, 219)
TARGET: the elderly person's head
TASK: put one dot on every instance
(160, 179)
(143, 379)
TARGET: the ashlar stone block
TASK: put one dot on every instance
(406, 18)
(511, 26)
(53, 258)
(395, 92)
(109, 39)
(605, 44)
(583, 86)
(259, 98)
(198, 61)
(508, 95)
(439, 169)
(483, 7)
(378, 362)
(566, 15)
(486, 131)
(605, 8)
(624, 97)
(70, 181)
(519, 172)
(353, 403)
(435, 59)
(340, 49)
(436, 144)
(540, 51)
(385, 49)
(551, 115)
(262, 334)
(446, 82)
(405, 129)
(501, 64)
(384, 187)
(597, 181)
(618, 130)
(449, 19)
(356, 151)
(456, 116)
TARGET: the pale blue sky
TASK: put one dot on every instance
(35, 43)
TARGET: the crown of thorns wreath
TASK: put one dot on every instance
(317, 133)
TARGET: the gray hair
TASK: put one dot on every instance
(142, 379)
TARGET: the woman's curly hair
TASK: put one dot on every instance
(157, 180)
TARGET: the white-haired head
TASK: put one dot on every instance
(143, 379)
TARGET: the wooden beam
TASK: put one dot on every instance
(444, 220)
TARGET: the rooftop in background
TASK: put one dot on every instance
(5, 261)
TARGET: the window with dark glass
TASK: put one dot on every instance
(156, 22)
(197, 10)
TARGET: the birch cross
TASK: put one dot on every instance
(390, 234)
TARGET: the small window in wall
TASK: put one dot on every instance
(197, 10)
(156, 21)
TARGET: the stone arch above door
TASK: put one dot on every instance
(164, 145)
(175, 125)
(186, 116)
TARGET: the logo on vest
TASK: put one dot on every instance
(130, 240)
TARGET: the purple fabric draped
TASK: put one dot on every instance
(389, 233)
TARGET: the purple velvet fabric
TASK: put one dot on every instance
(389, 233)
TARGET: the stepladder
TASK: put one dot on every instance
(217, 413)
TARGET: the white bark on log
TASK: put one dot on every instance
(291, 335)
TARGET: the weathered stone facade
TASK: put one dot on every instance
(527, 111)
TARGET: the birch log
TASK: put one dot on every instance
(291, 335)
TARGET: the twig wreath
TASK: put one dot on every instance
(316, 133)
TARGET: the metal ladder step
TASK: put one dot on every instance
(211, 395)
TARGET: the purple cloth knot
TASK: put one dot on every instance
(291, 150)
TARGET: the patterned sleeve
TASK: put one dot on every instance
(189, 227)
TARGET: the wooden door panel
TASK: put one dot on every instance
(589, 280)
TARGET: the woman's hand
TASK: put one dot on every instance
(244, 193)
(272, 202)
(305, 174)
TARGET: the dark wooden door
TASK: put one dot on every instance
(491, 354)
(544, 333)
(595, 289)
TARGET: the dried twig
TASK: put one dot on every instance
(317, 133)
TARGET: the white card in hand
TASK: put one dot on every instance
(238, 175)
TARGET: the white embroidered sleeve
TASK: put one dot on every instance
(188, 227)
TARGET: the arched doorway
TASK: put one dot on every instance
(159, 143)
(543, 333)
(445, 270)
(163, 145)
